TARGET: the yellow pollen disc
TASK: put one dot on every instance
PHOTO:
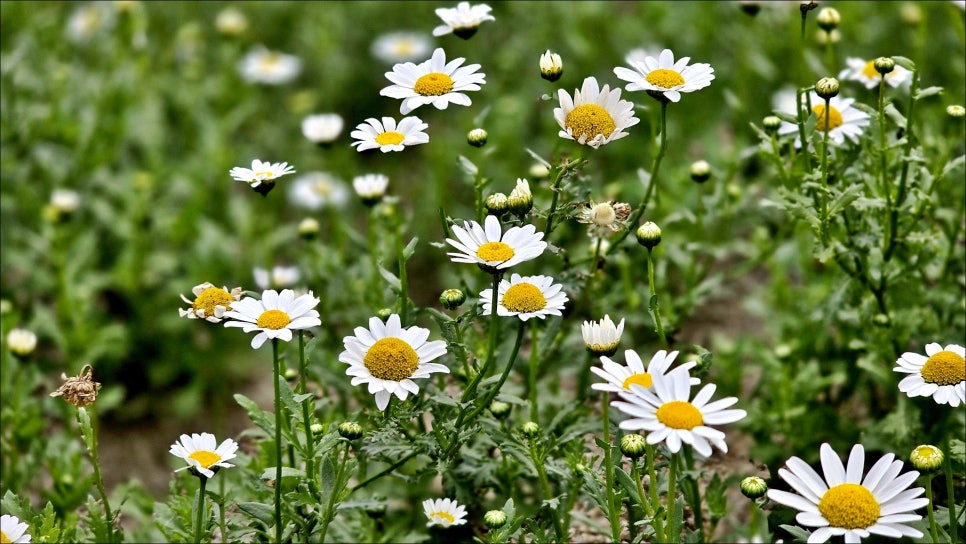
(445, 515)
(391, 359)
(664, 78)
(642, 378)
(267, 174)
(944, 368)
(679, 414)
(211, 297)
(273, 319)
(390, 137)
(4, 539)
(834, 117)
(495, 252)
(589, 120)
(205, 458)
(869, 70)
(523, 298)
(269, 60)
(403, 48)
(433, 84)
(849, 506)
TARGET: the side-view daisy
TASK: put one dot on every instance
(370, 187)
(444, 512)
(594, 116)
(276, 278)
(844, 121)
(322, 128)
(665, 79)
(941, 374)
(201, 453)
(269, 67)
(262, 175)
(388, 358)
(845, 502)
(667, 415)
(210, 302)
(865, 72)
(276, 315)
(433, 82)
(492, 249)
(621, 378)
(387, 136)
(526, 297)
(602, 337)
(15, 531)
(463, 20)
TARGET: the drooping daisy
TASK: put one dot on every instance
(605, 217)
(526, 297)
(433, 82)
(388, 358)
(845, 503)
(603, 337)
(262, 175)
(322, 128)
(594, 116)
(844, 121)
(463, 20)
(315, 190)
(15, 531)
(210, 302)
(387, 136)
(621, 378)
(370, 187)
(279, 277)
(665, 412)
(865, 72)
(665, 79)
(276, 315)
(401, 46)
(444, 512)
(493, 250)
(269, 67)
(941, 374)
(201, 453)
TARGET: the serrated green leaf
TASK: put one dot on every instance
(264, 513)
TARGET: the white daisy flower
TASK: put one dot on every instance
(202, 455)
(64, 200)
(231, 22)
(444, 512)
(276, 315)
(86, 21)
(401, 46)
(621, 378)
(526, 297)
(665, 412)
(463, 20)
(433, 82)
(315, 190)
(663, 78)
(785, 100)
(941, 375)
(210, 302)
(322, 128)
(865, 72)
(603, 337)
(15, 531)
(21, 342)
(278, 277)
(370, 187)
(845, 503)
(262, 175)
(594, 116)
(844, 121)
(387, 136)
(638, 54)
(269, 67)
(493, 250)
(388, 358)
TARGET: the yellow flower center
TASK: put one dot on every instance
(433, 84)
(642, 378)
(589, 120)
(679, 414)
(273, 319)
(603, 214)
(390, 137)
(267, 174)
(205, 458)
(495, 252)
(403, 48)
(391, 359)
(834, 117)
(523, 298)
(664, 78)
(869, 70)
(444, 515)
(211, 297)
(849, 506)
(268, 60)
(4, 539)
(944, 368)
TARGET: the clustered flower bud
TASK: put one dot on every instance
(350, 430)
(551, 66)
(828, 19)
(497, 204)
(530, 429)
(452, 299)
(649, 235)
(753, 487)
(317, 428)
(632, 445)
(520, 200)
(771, 123)
(476, 137)
(884, 65)
(500, 409)
(827, 87)
(309, 228)
(927, 458)
(494, 519)
(700, 171)
(384, 313)
(80, 390)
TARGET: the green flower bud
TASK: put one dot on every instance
(828, 19)
(452, 299)
(317, 429)
(530, 429)
(497, 204)
(927, 458)
(494, 519)
(21, 342)
(771, 123)
(291, 374)
(520, 200)
(551, 67)
(649, 235)
(632, 445)
(956, 111)
(384, 314)
(500, 409)
(753, 487)
(700, 171)
(827, 87)
(350, 430)
(884, 65)
(309, 228)
(476, 137)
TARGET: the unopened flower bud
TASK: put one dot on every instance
(771, 123)
(754, 487)
(452, 299)
(476, 137)
(384, 314)
(884, 65)
(649, 235)
(956, 111)
(494, 519)
(551, 66)
(632, 445)
(497, 204)
(700, 171)
(927, 458)
(520, 200)
(539, 171)
(21, 342)
(291, 374)
(827, 87)
(530, 429)
(828, 19)
(911, 14)
(500, 409)
(350, 430)
(309, 228)
(317, 429)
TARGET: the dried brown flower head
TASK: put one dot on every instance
(80, 390)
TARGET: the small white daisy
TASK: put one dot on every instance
(526, 297)
(433, 82)
(941, 375)
(278, 277)
(262, 175)
(663, 78)
(15, 531)
(370, 187)
(269, 67)
(603, 337)
(388, 358)
(322, 128)
(865, 72)
(493, 250)
(845, 503)
(844, 121)
(387, 136)
(621, 378)
(665, 412)
(444, 512)
(210, 302)
(315, 190)
(201, 453)
(594, 116)
(401, 46)
(231, 22)
(463, 20)
(86, 21)
(276, 315)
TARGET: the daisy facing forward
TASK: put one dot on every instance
(940, 374)
(444, 512)
(387, 136)
(844, 121)
(276, 315)
(493, 250)
(845, 503)
(865, 72)
(594, 116)
(210, 302)
(262, 175)
(665, 79)
(463, 20)
(433, 82)
(621, 378)
(15, 531)
(526, 297)
(201, 454)
(388, 358)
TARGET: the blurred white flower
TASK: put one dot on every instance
(463, 20)
(322, 128)
(370, 187)
(281, 276)
(231, 22)
(401, 47)
(865, 72)
(315, 190)
(270, 67)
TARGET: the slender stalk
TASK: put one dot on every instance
(545, 487)
(490, 350)
(403, 282)
(650, 454)
(695, 493)
(672, 483)
(506, 372)
(904, 173)
(933, 527)
(306, 416)
(329, 515)
(201, 509)
(826, 130)
(278, 442)
(534, 368)
(656, 311)
(595, 260)
(561, 171)
(645, 504)
(953, 520)
(612, 514)
(385, 471)
(90, 439)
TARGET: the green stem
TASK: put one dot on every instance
(90, 439)
(953, 520)
(612, 513)
(490, 350)
(534, 368)
(650, 453)
(278, 442)
(385, 471)
(506, 372)
(672, 483)
(695, 492)
(653, 305)
(824, 225)
(933, 528)
(545, 488)
(306, 417)
(904, 174)
(555, 189)
(328, 516)
(201, 509)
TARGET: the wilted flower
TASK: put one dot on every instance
(210, 302)
(605, 217)
(79, 390)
